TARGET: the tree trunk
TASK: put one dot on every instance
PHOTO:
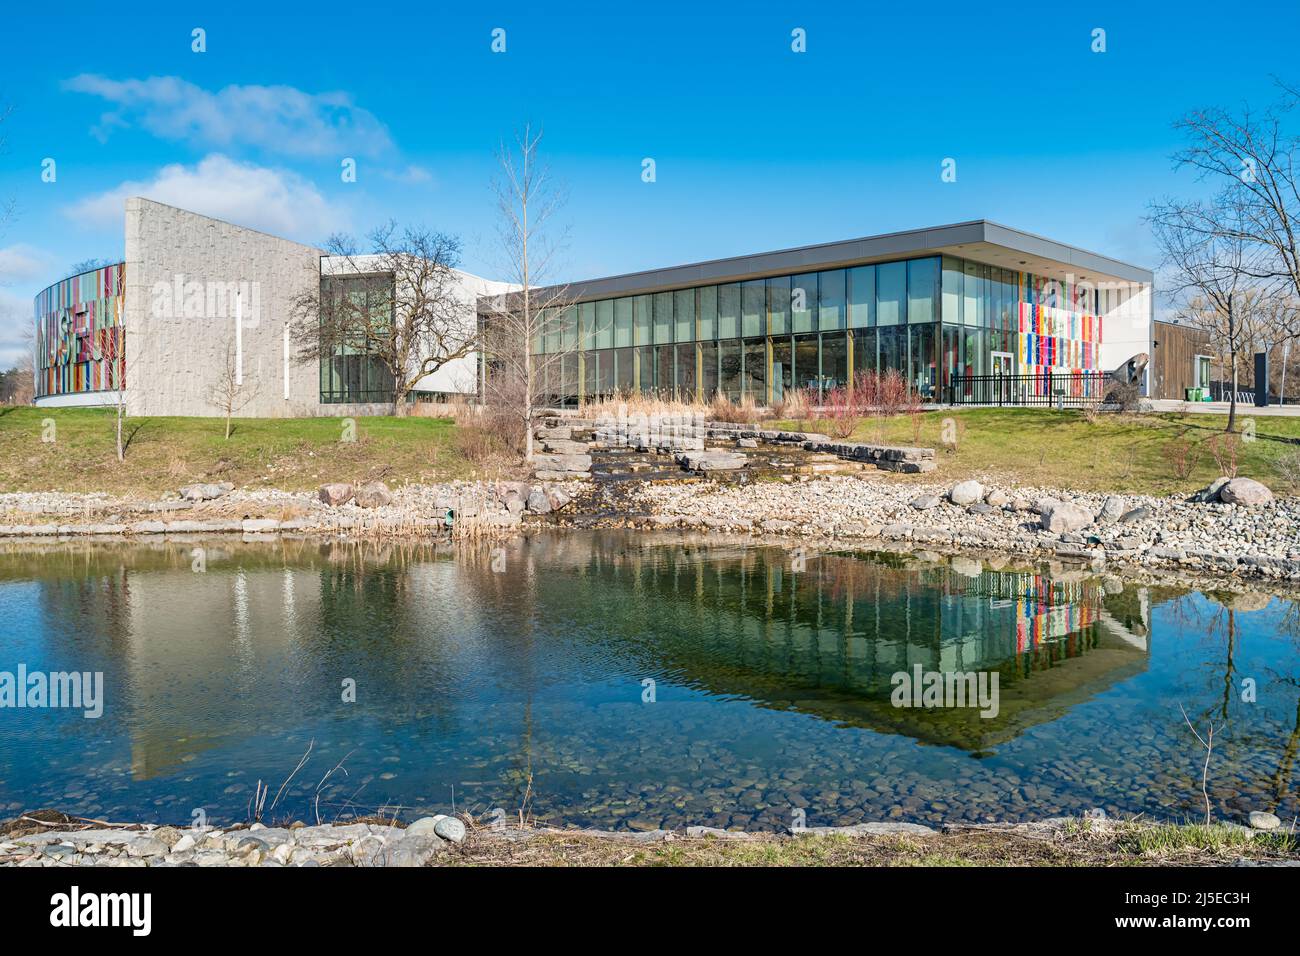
(1232, 401)
(228, 412)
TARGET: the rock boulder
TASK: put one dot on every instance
(1244, 491)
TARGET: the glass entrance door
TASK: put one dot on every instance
(1003, 365)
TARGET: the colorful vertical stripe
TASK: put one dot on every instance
(79, 335)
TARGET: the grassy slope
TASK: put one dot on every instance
(1125, 453)
(1012, 446)
(165, 453)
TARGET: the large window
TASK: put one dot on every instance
(756, 369)
(782, 366)
(622, 323)
(350, 373)
(729, 368)
(922, 290)
(753, 308)
(927, 318)
(729, 311)
(778, 305)
(803, 303)
(709, 312)
(862, 297)
(684, 315)
(891, 291)
(835, 360)
(663, 317)
(604, 334)
(830, 300)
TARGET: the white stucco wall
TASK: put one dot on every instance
(1126, 325)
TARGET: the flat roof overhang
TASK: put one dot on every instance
(979, 240)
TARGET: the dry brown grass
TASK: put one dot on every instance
(1078, 844)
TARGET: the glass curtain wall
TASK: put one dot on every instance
(928, 318)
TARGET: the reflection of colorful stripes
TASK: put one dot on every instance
(79, 332)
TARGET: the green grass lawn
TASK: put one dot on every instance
(1127, 453)
(165, 453)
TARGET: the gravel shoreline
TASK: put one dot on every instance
(443, 840)
(1250, 542)
(1260, 541)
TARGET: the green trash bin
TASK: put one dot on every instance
(1193, 394)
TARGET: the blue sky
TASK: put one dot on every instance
(756, 147)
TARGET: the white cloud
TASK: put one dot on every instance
(278, 119)
(410, 175)
(23, 263)
(15, 322)
(273, 200)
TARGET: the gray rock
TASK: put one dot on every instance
(206, 492)
(1260, 820)
(997, 499)
(578, 464)
(1140, 513)
(558, 498)
(449, 828)
(335, 493)
(1061, 517)
(374, 494)
(1245, 491)
(1211, 491)
(538, 502)
(1043, 505)
(980, 508)
(966, 493)
(424, 826)
(925, 502)
(406, 851)
(1112, 509)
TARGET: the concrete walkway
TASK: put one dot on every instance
(1221, 408)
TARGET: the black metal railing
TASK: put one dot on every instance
(1064, 389)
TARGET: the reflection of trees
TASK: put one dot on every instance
(1219, 620)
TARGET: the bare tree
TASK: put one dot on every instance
(1252, 161)
(400, 305)
(516, 324)
(116, 359)
(1212, 276)
(229, 393)
(88, 265)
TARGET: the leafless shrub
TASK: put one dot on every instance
(793, 405)
(744, 412)
(1288, 467)
(1183, 455)
(840, 413)
(1225, 448)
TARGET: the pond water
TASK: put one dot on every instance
(617, 680)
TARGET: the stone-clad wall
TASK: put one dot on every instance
(175, 360)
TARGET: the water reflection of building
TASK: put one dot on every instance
(827, 641)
